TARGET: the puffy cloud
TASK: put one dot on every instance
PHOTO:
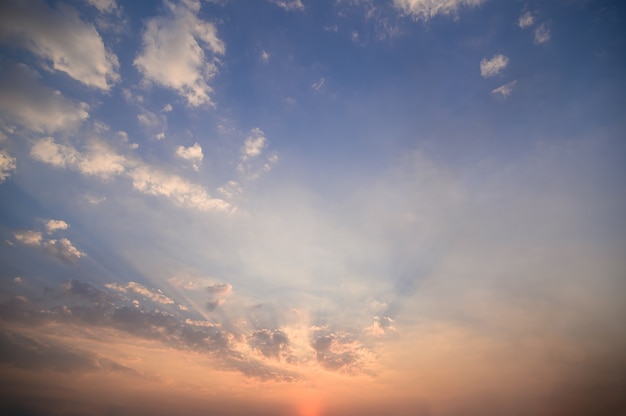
(380, 325)
(152, 181)
(28, 237)
(172, 55)
(7, 165)
(289, 5)
(504, 90)
(192, 154)
(36, 107)
(61, 248)
(492, 67)
(542, 34)
(98, 160)
(335, 352)
(254, 144)
(62, 38)
(133, 287)
(55, 225)
(526, 20)
(427, 9)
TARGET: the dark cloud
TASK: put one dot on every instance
(27, 353)
(271, 343)
(219, 289)
(338, 352)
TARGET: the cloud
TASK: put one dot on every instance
(172, 55)
(319, 84)
(192, 154)
(7, 165)
(272, 344)
(153, 181)
(493, 66)
(542, 34)
(61, 248)
(335, 352)
(254, 144)
(55, 225)
(61, 37)
(504, 90)
(133, 287)
(219, 292)
(380, 325)
(104, 6)
(427, 9)
(526, 20)
(100, 161)
(289, 5)
(265, 57)
(36, 107)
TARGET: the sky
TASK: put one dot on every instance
(312, 208)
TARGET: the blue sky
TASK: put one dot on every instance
(312, 208)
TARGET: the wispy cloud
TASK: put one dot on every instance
(289, 5)
(504, 90)
(526, 20)
(542, 34)
(7, 165)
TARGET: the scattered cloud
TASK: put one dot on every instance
(36, 107)
(273, 344)
(104, 6)
(218, 292)
(265, 57)
(526, 20)
(192, 154)
(7, 165)
(100, 161)
(318, 85)
(380, 325)
(61, 248)
(504, 90)
(254, 144)
(427, 9)
(55, 225)
(492, 67)
(340, 352)
(176, 52)
(542, 34)
(289, 5)
(59, 36)
(167, 108)
(136, 288)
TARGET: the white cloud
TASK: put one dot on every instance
(427, 9)
(98, 160)
(104, 6)
(526, 20)
(167, 108)
(542, 34)
(36, 107)
(7, 165)
(149, 120)
(265, 57)
(61, 249)
(318, 85)
(504, 90)
(55, 225)
(172, 55)
(133, 287)
(192, 154)
(493, 66)
(289, 5)
(152, 181)
(254, 144)
(60, 37)
(28, 237)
